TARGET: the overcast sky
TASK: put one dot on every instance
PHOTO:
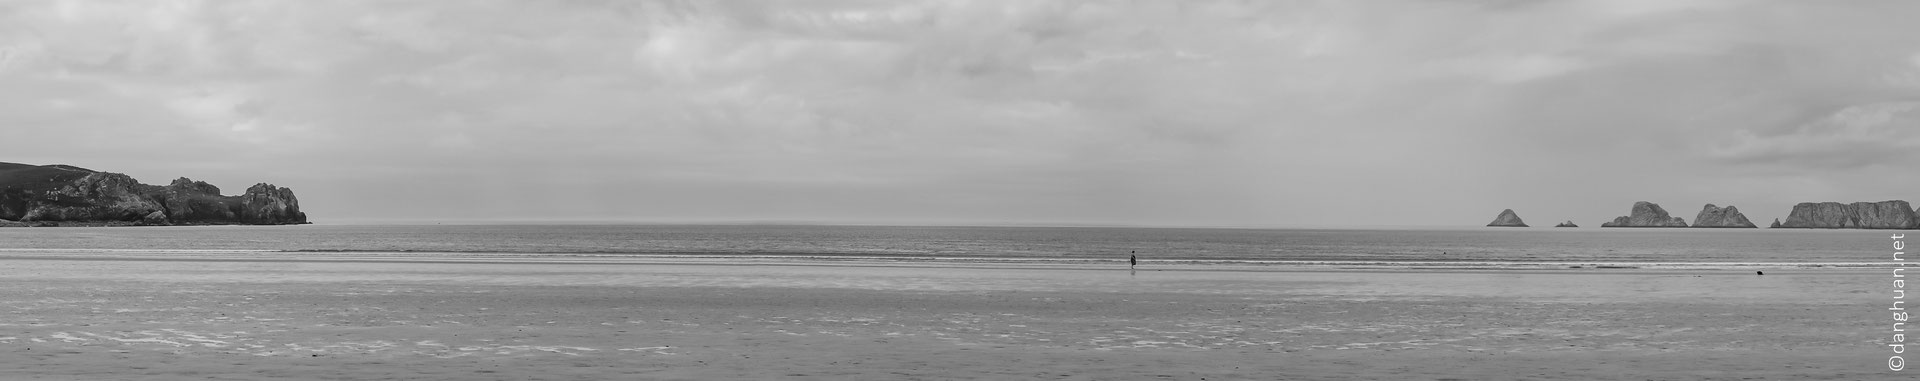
(1261, 113)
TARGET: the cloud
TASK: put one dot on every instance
(1510, 69)
(1151, 112)
(1874, 134)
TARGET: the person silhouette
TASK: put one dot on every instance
(1133, 260)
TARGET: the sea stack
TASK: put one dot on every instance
(1508, 219)
(1717, 217)
(1646, 215)
(1891, 214)
(1776, 223)
(1568, 224)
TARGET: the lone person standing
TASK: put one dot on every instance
(1132, 260)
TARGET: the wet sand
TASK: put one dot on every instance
(179, 318)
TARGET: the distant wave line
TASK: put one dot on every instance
(1320, 258)
(71, 250)
(606, 258)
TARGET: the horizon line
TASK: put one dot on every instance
(802, 222)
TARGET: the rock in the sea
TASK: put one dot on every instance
(1776, 223)
(1717, 217)
(1568, 224)
(55, 194)
(1646, 215)
(1508, 219)
(1828, 215)
(1892, 214)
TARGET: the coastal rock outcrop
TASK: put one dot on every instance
(98, 196)
(1568, 224)
(1891, 214)
(1646, 215)
(266, 204)
(1508, 218)
(195, 200)
(1717, 217)
(53, 194)
(1776, 223)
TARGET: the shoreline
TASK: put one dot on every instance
(126, 224)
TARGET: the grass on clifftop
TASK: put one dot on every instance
(37, 178)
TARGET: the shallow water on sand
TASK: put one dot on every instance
(1589, 286)
(193, 319)
(1035, 243)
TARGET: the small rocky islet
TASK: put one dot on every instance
(1717, 217)
(1508, 218)
(1646, 215)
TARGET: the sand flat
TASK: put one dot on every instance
(197, 319)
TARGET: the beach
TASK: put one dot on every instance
(200, 316)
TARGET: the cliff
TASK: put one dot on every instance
(1893, 214)
(1646, 215)
(54, 194)
(1508, 218)
(1717, 217)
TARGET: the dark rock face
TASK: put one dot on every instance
(1717, 217)
(1892, 214)
(188, 185)
(1776, 223)
(1828, 215)
(156, 218)
(1646, 215)
(189, 200)
(96, 197)
(1508, 218)
(1568, 224)
(53, 194)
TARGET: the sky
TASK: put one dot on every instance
(1159, 113)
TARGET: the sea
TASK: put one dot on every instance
(1467, 246)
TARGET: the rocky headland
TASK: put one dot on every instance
(64, 195)
(1508, 218)
(1892, 214)
(1718, 217)
(1646, 215)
